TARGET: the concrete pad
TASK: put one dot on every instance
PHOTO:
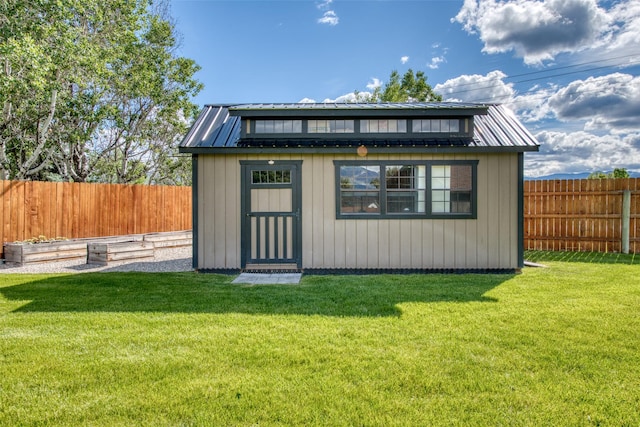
(268, 278)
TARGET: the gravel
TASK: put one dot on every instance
(165, 261)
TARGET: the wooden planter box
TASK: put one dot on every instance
(104, 253)
(172, 239)
(25, 253)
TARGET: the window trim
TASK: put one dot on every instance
(465, 129)
(428, 193)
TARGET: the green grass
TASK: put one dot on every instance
(585, 257)
(552, 346)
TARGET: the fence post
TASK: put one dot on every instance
(626, 216)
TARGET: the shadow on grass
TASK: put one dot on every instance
(211, 293)
(585, 257)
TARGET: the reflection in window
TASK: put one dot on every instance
(330, 126)
(278, 126)
(271, 176)
(405, 187)
(360, 189)
(383, 126)
(451, 188)
(436, 126)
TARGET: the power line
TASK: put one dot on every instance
(537, 78)
(616, 65)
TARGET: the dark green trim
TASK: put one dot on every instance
(427, 215)
(360, 271)
(347, 113)
(303, 135)
(194, 210)
(246, 167)
(323, 148)
(520, 210)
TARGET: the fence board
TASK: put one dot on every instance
(580, 215)
(73, 210)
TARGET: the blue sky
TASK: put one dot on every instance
(570, 69)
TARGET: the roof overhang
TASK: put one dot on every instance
(320, 149)
(344, 110)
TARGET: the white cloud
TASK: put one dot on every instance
(374, 83)
(307, 101)
(435, 62)
(329, 18)
(324, 4)
(350, 98)
(609, 102)
(404, 59)
(537, 30)
(582, 152)
(477, 88)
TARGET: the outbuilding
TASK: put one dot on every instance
(333, 187)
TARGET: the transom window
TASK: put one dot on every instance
(383, 126)
(436, 126)
(430, 189)
(271, 176)
(278, 126)
(330, 126)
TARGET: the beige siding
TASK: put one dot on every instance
(490, 241)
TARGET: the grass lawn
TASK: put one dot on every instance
(551, 346)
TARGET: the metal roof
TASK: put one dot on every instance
(495, 129)
(214, 128)
(358, 109)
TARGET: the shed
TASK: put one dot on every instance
(332, 187)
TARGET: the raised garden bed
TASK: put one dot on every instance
(172, 239)
(26, 253)
(104, 253)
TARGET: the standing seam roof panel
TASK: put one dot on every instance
(216, 128)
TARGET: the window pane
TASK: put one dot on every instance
(271, 177)
(451, 189)
(359, 189)
(360, 202)
(405, 188)
(383, 126)
(454, 126)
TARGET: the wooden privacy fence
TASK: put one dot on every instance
(572, 215)
(30, 209)
(582, 215)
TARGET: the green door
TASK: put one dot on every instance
(271, 227)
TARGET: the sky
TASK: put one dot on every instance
(569, 69)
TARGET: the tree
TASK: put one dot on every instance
(413, 87)
(90, 86)
(617, 173)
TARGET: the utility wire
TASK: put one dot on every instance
(533, 79)
(629, 64)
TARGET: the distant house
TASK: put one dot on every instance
(358, 187)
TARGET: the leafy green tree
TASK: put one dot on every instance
(597, 175)
(413, 87)
(90, 86)
(616, 173)
(619, 173)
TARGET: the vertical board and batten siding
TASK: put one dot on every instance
(29, 209)
(490, 241)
